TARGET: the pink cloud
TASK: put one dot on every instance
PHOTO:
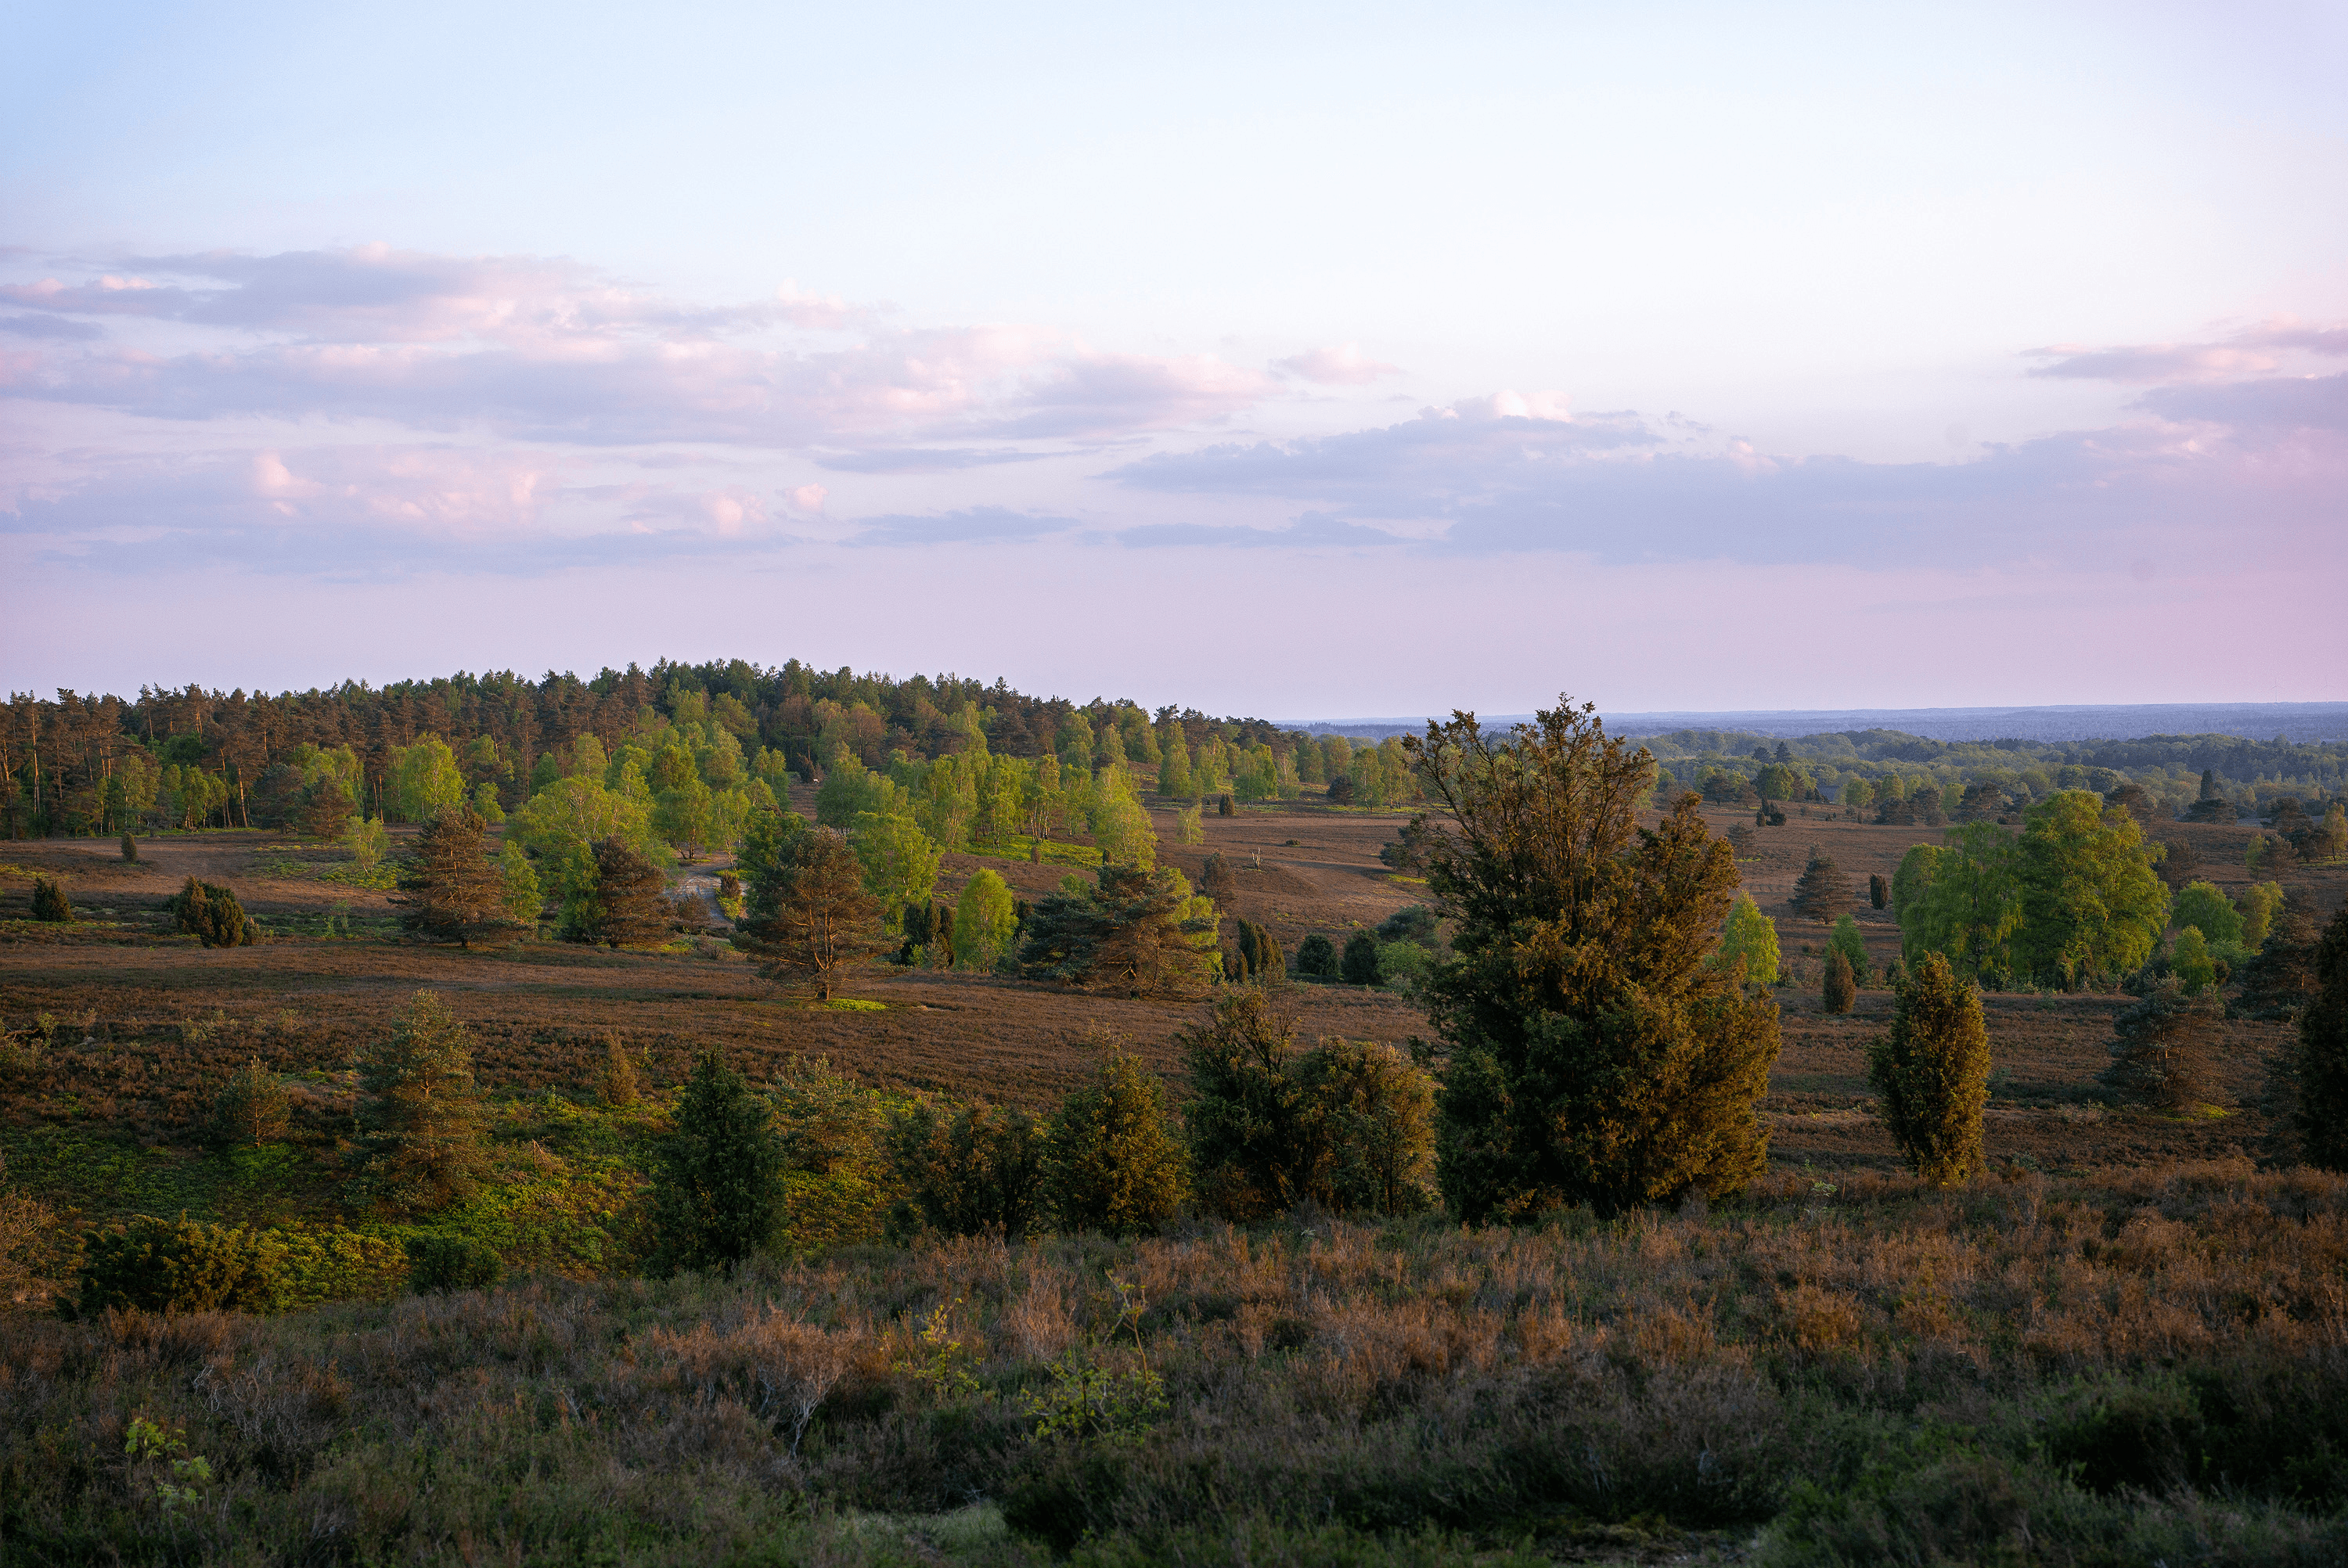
(1344, 365)
(2254, 351)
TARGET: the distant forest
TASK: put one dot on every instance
(91, 764)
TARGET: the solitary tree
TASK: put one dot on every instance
(419, 1144)
(629, 908)
(251, 1108)
(1137, 931)
(2320, 1064)
(211, 914)
(1932, 1072)
(1840, 989)
(985, 917)
(1317, 956)
(1259, 957)
(900, 861)
(1751, 936)
(452, 891)
(50, 902)
(1595, 1056)
(2091, 903)
(1359, 963)
(809, 917)
(1822, 892)
(1112, 1162)
(1878, 891)
(2160, 1047)
(717, 1185)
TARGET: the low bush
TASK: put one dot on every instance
(445, 1263)
(211, 914)
(49, 901)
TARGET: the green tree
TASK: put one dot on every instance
(2202, 906)
(1112, 1162)
(899, 860)
(1912, 876)
(629, 904)
(1119, 825)
(718, 1180)
(1137, 931)
(1358, 964)
(1970, 906)
(425, 779)
(518, 879)
(1840, 989)
(1317, 956)
(1749, 936)
(1174, 780)
(1259, 957)
(2190, 961)
(1595, 1057)
(452, 891)
(2319, 1068)
(2091, 903)
(2262, 901)
(420, 1127)
(1878, 891)
(984, 919)
(1932, 1072)
(368, 840)
(809, 917)
(561, 823)
(1846, 939)
(253, 1107)
(211, 914)
(685, 813)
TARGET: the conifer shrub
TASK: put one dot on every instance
(49, 901)
(451, 891)
(1316, 957)
(1359, 963)
(211, 914)
(2160, 1049)
(631, 908)
(977, 1170)
(717, 1176)
(1932, 1072)
(420, 1145)
(182, 1265)
(130, 847)
(1839, 990)
(1846, 941)
(616, 1084)
(437, 1265)
(1224, 806)
(1878, 891)
(1258, 959)
(2320, 1063)
(1112, 1162)
(253, 1107)
(1822, 891)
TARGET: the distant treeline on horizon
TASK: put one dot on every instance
(57, 754)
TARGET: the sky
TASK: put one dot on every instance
(1297, 360)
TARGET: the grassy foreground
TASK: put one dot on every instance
(2116, 1368)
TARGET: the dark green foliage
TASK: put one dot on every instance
(978, 1172)
(1257, 957)
(1132, 931)
(1413, 923)
(1346, 1126)
(1112, 1161)
(766, 838)
(1847, 940)
(181, 1265)
(1340, 791)
(1317, 956)
(630, 902)
(2279, 980)
(211, 915)
(2161, 1055)
(445, 1263)
(1840, 989)
(129, 848)
(1359, 964)
(251, 1108)
(452, 890)
(1878, 891)
(1596, 1057)
(420, 1126)
(2320, 1063)
(1223, 806)
(809, 917)
(717, 1177)
(1932, 1072)
(1823, 891)
(1216, 880)
(49, 901)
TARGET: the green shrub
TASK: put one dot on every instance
(1360, 964)
(1259, 957)
(130, 847)
(183, 1266)
(1846, 939)
(211, 914)
(49, 901)
(1317, 956)
(2161, 1045)
(716, 1184)
(445, 1263)
(251, 1108)
(1932, 1072)
(978, 1172)
(1839, 990)
(2319, 1065)
(421, 1130)
(1112, 1162)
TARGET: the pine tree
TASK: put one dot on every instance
(2319, 1065)
(809, 917)
(1839, 990)
(452, 891)
(253, 1107)
(420, 1126)
(2161, 1047)
(1260, 957)
(630, 906)
(1113, 1163)
(717, 1192)
(1823, 891)
(1134, 931)
(1595, 1057)
(1932, 1072)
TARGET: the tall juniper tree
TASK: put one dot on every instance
(1932, 1072)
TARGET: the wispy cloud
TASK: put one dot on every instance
(972, 525)
(1344, 365)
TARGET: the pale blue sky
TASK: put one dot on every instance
(438, 305)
